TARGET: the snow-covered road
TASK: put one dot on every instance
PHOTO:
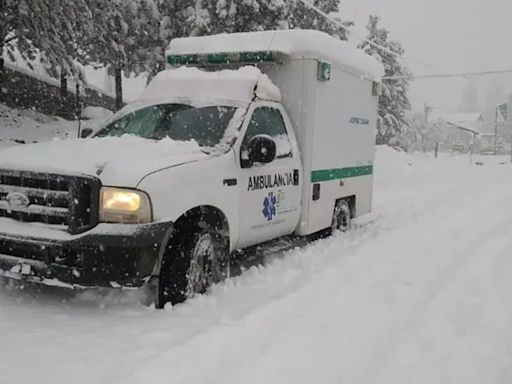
(420, 293)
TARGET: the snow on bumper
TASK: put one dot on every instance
(109, 255)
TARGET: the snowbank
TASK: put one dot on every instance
(26, 126)
(419, 295)
(191, 83)
(390, 163)
(295, 43)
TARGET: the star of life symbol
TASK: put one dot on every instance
(269, 206)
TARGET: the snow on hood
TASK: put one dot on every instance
(118, 161)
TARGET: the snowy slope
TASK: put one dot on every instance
(419, 293)
(17, 126)
(96, 78)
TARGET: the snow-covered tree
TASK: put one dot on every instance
(9, 16)
(43, 29)
(394, 101)
(246, 16)
(126, 38)
(181, 18)
(306, 17)
(145, 45)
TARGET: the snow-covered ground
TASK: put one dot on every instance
(96, 78)
(418, 293)
(26, 126)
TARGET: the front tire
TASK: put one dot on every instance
(194, 261)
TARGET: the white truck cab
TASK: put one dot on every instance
(245, 138)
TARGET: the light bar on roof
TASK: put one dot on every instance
(254, 57)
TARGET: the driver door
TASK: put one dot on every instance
(270, 194)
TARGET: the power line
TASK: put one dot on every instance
(448, 75)
(346, 29)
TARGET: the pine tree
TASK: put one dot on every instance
(126, 38)
(394, 101)
(180, 18)
(106, 43)
(243, 16)
(305, 17)
(146, 47)
(9, 16)
(44, 29)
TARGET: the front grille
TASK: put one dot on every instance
(70, 202)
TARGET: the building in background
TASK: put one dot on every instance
(459, 132)
(509, 112)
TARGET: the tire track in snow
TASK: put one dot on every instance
(318, 315)
(442, 280)
(268, 309)
(429, 296)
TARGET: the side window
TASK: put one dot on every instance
(269, 121)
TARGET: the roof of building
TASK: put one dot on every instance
(463, 117)
(296, 44)
(472, 122)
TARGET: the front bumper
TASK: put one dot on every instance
(109, 255)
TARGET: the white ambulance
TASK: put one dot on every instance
(245, 138)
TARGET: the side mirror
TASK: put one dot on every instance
(262, 149)
(85, 132)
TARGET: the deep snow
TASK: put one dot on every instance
(419, 293)
(29, 126)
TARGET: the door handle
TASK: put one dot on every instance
(296, 177)
(230, 182)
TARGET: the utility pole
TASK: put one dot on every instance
(500, 108)
(496, 131)
(426, 113)
(78, 109)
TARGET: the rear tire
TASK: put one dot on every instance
(342, 217)
(195, 260)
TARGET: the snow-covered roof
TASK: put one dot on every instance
(465, 127)
(473, 122)
(293, 43)
(462, 117)
(239, 86)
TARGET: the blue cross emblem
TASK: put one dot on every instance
(269, 206)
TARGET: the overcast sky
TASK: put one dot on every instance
(449, 36)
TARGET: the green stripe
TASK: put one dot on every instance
(218, 58)
(256, 57)
(222, 58)
(340, 173)
(182, 59)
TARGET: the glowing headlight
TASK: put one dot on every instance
(124, 206)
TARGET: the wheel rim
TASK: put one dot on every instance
(205, 265)
(342, 219)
